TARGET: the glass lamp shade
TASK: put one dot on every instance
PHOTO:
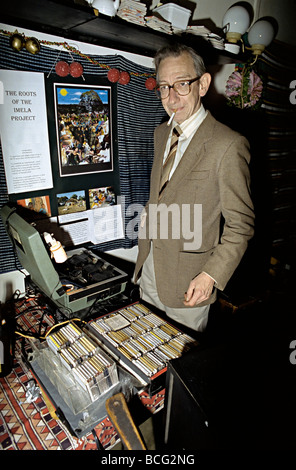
(236, 22)
(260, 35)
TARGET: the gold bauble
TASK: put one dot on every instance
(32, 45)
(17, 42)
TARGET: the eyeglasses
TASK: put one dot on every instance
(182, 87)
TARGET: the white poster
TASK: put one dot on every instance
(24, 131)
(106, 224)
(100, 225)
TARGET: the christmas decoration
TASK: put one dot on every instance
(17, 41)
(150, 83)
(62, 68)
(32, 45)
(124, 78)
(113, 75)
(244, 88)
(76, 69)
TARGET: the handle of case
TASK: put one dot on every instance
(122, 420)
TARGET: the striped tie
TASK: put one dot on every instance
(168, 164)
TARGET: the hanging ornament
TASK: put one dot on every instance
(150, 83)
(113, 75)
(17, 41)
(62, 68)
(124, 78)
(76, 69)
(32, 45)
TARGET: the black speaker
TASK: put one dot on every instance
(207, 404)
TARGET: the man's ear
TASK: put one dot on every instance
(204, 83)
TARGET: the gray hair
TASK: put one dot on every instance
(175, 50)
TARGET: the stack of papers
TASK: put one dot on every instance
(198, 30)
(214, 39)
(155, 22)
(135, 12)
(132, 11)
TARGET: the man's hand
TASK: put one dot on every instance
(200, 289)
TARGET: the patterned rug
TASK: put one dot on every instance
(32, 425)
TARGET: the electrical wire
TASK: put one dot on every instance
(39, 336)
(26, 335)
(63, 323)
(97, 441)
(43, 310)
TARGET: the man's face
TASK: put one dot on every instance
(171, 70)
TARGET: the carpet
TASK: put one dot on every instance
(32, 425)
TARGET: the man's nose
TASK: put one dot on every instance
(173, 95)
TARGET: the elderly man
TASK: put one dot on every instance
(200, 188)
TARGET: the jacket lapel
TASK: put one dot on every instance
(192, 155)
(159, 149)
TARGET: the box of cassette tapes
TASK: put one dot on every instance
(141, 341)
(77, 366)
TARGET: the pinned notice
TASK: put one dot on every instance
(24, 131)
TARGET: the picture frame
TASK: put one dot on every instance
(84, 126)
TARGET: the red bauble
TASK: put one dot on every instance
(62, 68)
(76, 69)
(150, 83)
(124, 78)
(113, 75)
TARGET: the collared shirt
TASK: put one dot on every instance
(189, 127)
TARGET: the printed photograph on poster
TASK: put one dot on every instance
(84, 128)
(101, 197)
(40, 204)
(71, 206)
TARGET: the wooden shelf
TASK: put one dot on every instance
(75, 20)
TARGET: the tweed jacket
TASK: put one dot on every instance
(210, 192)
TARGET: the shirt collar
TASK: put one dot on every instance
(191, 124)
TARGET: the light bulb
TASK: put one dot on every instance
(236, 22)
(260, 35)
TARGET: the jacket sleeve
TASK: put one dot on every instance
(237, 211)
